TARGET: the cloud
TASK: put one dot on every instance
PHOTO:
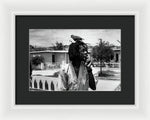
(48, 37)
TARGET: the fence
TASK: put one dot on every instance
(51, 65)
(49, 83)
(43, 83)
(110, 65)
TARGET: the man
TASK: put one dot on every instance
(77, 76)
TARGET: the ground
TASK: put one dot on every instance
(111, 83)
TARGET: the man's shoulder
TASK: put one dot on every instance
(64, 68)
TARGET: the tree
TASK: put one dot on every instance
(102, 53)
(37, 60)
(58, 46)
(31, 48)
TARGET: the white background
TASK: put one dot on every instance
(80, 112)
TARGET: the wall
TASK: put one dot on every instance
(59, 57)
(47, 56)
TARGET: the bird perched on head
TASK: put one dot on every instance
(76, 38)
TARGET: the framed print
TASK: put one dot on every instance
(75, 59)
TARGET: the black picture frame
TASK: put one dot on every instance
(124, 22)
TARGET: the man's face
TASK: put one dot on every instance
(83, 52)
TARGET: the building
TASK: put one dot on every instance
(52, 58)
(117, 54)
(61, 57)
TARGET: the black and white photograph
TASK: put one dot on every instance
(75, 60)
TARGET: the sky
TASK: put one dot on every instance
(48, 37)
